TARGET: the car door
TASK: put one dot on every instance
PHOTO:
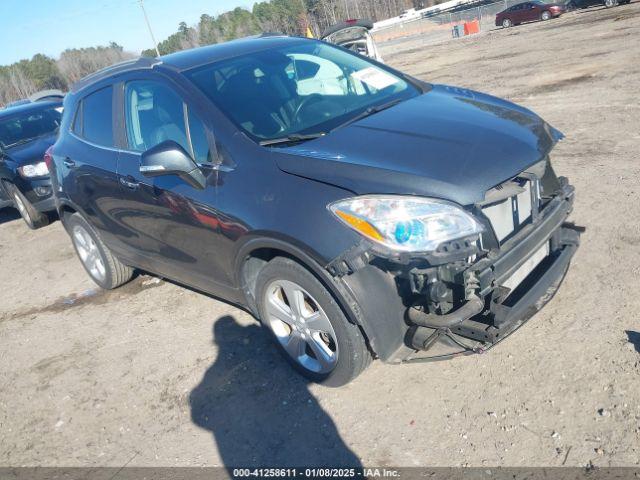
(515, 14)
(173, 226)
(523, 13)
(89, 164)
(528, 12)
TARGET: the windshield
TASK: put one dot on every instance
(19, 129)
(305, 88)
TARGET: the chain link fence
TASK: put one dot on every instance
(439, 26)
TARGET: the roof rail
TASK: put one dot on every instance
(127, 65)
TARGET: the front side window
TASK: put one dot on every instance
(155, 113)
(19, 129)
(307, 87)
(97, 117)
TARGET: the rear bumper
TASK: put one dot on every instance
(492, 312)
(38, 191)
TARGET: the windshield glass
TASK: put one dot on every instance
(304, 88)
(27, 126)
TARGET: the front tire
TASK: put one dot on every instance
(308, 326)
(31, 216)
(610, 3)
(546, 15)
(96, 258)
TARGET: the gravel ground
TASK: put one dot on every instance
(155, 374)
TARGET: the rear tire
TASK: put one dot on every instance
(506, 23)
(31, 216)
(96, 258)
(309, 329)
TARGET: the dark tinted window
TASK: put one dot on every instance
(28, 126)
(77, 121)
(97, 122)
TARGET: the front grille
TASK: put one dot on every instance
(512, 205)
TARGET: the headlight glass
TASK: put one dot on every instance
(405, 223)
(34, 170)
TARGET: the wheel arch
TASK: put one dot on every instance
(65, 210)
(257, 252)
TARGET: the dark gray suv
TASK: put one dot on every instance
(356, 211)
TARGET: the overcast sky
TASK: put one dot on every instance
(49, 27)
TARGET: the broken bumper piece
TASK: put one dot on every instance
(538, 258)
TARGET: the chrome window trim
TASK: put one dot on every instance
(103, 147)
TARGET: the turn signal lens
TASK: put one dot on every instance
(360, 225)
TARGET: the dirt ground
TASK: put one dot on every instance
(154, 374)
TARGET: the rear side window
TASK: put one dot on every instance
(96, 117)
(77, 121)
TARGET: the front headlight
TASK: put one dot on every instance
(34, 170)
(405, 223)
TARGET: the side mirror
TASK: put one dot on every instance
(169, 158)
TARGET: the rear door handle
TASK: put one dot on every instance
(69, 163)
(129, 182)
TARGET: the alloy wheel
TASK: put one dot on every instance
(506, 23)
(546, 15)
(20, 205)
(301, 326)
(89, 253)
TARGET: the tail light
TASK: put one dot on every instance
(48, 157)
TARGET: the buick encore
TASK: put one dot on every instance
(358, 212)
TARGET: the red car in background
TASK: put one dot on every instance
(528, 12)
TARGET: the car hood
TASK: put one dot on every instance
(31, 152)
(448, 143)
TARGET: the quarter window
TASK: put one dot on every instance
(199, 140)
(97, 118)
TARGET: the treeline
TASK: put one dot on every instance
(292, 17)
(25, 77)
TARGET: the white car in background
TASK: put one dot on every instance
(354, 35)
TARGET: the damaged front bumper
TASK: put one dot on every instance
(396, 303)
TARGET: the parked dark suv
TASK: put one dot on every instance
(356, 211)
(26, 132)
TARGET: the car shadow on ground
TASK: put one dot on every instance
(259, 410)
(634, 339)
(8, 215)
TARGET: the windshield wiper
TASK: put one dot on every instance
(368, 112)
(293, 138)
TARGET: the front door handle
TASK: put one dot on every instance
(69, 163)
(129, 182)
